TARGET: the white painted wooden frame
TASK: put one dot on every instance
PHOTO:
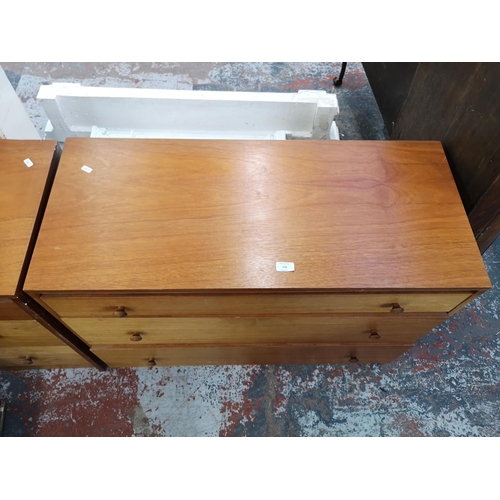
(14, 120)
(77, 111)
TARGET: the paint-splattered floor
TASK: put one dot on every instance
(448, 384)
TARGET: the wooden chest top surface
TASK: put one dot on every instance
(21, 190)
(172, 215)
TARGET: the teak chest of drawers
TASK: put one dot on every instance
(29, 336)
(164, 252)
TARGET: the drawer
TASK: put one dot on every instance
(26, 333)
(41, 357)
(11, 311)
(251, 304)
(392, 329)
(248, 355)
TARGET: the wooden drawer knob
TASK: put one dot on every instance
(27, 360)
(151, 362)
(135, 336)
(120, 312)
(396, 308)
(374, 335)
(353, 359)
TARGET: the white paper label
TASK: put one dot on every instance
(28, 162)
(285, 266)
(86, 169)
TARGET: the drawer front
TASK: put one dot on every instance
(315, 329)
(248, 355)
(251, 304)
(26, 333)
(40, 357)
(11, 311)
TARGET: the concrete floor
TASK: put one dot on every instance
(447, 385)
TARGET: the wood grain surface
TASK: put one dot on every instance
(203, 305)
(41, 357)
(161, 215)
(251, 355)
(337, 329)
(25, 333)
(21, 190)
(10, 311)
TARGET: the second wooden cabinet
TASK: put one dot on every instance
(26, 170)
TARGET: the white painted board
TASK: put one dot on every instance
(76, 111)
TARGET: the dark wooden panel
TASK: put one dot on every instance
(436, 94)
(473, 139)
(486, 210)
(390, 83)
(489, 234)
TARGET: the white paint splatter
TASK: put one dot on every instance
(189, 401)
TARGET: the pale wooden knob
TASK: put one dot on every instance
(353, 359)
(151, 362)
(374, 335)
(120, 312)
(396, 308)
(27, 360)
(136, 337)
